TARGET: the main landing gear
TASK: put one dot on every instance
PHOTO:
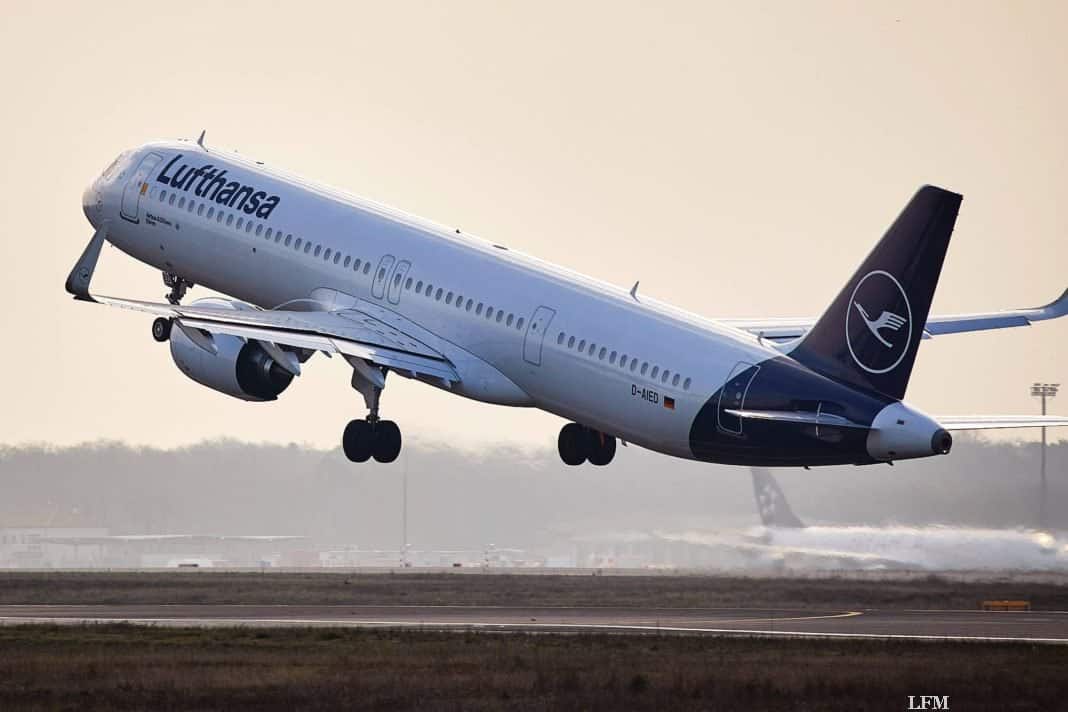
(371, 436)
(577, 444)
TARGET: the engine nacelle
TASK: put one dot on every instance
(238, 368)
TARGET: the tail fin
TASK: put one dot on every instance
(869, 335)
(771, 502)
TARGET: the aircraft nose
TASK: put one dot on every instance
(91, 203)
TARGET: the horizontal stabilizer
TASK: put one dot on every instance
(993, 422)
(796, 416)
(786, 329)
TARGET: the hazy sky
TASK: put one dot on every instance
(739, 159)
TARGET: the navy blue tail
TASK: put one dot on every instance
(869, 335)
(771, 502)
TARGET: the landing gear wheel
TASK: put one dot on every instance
(572, 444)
(358, 441)
(161, 329)
(387, 441)
(602, 448)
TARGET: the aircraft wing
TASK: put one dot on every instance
(350, 332)
(357, 332)
(788, 329)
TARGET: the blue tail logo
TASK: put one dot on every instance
(884, 296)
(886, 320)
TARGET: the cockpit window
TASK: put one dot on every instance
(110, 170)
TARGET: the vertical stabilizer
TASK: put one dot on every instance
(869, 335)
(771, 502)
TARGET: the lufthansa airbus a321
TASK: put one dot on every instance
(308, 268)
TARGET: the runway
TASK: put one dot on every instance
(1041, 627)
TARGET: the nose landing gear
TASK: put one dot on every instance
(578, 444)
(372, 436)
(178, 286)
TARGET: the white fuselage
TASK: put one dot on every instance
(520, 331)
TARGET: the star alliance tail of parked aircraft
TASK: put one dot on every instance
(309, 269)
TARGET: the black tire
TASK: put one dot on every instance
(387, 441)
(358, 441)
(602, 448)
(572, 444)
(161, 329)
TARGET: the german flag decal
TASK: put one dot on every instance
(669, 402)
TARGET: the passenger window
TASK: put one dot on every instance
(510, 318)
(448, 298)
(229, 220)
(570, 342)
(396, 280)
(470, 302)
(489, 312)
(289, 238)
(171, 199)
(437, 296)
(664, 378)
(612, 358)
(248, 227)
(645, 367)
(259, 231)
(408, 284)
(162, 195)
(419, 287)
(603, 352)
(240, 222)
(318, 250)
(500, 315)
(348, 259)
(478, 309)
(656, 371)
(200, 209)
(307, 247)
(181, 203)
(269, 233)
(297, 243)
(623, 361)
(593, 347)
(337, 257)
(356, 265)
(633, 364)
(519, 324)
(560, 338)
(366, 267)
(582, 346)
(211, 213)
(686, 384)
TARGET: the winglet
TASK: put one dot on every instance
(82, 274)
(1057, 308)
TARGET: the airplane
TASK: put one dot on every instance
(787, 539)
(311, 269)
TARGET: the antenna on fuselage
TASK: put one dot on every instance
(200, 141)
(634, 290)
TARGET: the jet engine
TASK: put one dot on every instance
(234, 366)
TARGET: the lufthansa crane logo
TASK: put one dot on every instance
(878, 322)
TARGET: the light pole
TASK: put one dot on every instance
(1043, 391)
